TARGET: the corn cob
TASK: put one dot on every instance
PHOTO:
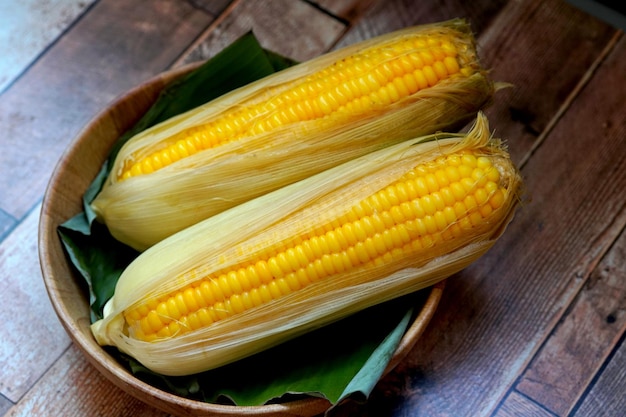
(372, 229)
(291, 125)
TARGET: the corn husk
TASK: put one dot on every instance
(239, 234)
(143, 210)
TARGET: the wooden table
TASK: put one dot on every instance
(535, 328)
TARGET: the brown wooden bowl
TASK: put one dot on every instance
(63, 199)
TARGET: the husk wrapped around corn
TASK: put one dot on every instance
(142, 203)
(347, 277)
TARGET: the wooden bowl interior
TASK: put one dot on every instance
(63, 199)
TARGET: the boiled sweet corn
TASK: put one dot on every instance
(291, 125)
(372, 229)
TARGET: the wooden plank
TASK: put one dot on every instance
(517, 405)
(495, 314)
(28, 317)
(73, 388)
(348, 10)
(292, 28)
(7, 222)
(213, 7)
(28, 28)
(388, 15)
(606, 398)
(5, 404)
(117, 45)
(524, 47)
(586, 335)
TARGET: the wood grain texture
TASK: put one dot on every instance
(27, 316)
(542, 77)
(294, 29)
(7, 222)
(385, 16)
(214, 7)
(606, 398)
(73, 388)
(586, 334)
(517, 405)
(5, 404)
(28, 28)
(116, 46)
(584, 338)
(348, 10)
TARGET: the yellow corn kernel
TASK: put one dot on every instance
(299, 122)
(308, 247)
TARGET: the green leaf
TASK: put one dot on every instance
(90, 194)
(98, 257)
(368, 375)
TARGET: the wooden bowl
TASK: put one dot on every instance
(63, 199)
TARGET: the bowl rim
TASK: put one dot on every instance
(111, 368)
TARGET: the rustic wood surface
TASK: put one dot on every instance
(535, 328)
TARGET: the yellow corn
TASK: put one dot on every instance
(291, 125)
(369, 230)
(375, 77)
(431, 203)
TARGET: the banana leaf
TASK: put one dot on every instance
(343, 360)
